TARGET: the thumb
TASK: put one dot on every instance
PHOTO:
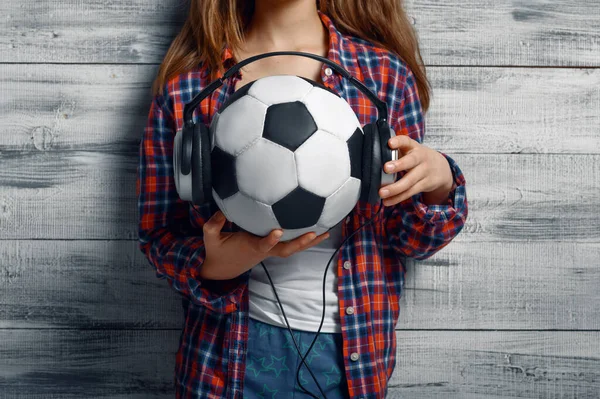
(214, 225)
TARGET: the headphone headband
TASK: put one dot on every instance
(188, 110)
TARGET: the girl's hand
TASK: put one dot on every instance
(429, 172)
(230, 254)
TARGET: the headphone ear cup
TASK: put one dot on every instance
(376, 166)
(367, 181)
(201, 172)
(183, 183)
(387, 154)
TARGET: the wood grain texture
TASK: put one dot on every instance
(74, 145)
(514, 110)
(471, 32)
(103, 108)
(458, 364)
(71, 364)
(508, 32)
(467, 285)
(83, 284)
(91, 31)
(511, 197)
(504, 285)
(70, 151)
(139, 364)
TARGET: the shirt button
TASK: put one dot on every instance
(347, 265)
(348, 219)
(354, 356)
(349, 310)
(328, 71)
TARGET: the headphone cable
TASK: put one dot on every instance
(303, 358)
(288, 326)
(322, 315)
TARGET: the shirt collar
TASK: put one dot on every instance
(337, 45)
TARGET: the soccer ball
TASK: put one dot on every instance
(285, 153)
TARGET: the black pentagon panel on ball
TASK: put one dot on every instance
(355, 148)
(223, 174)
(298, 209)
(239, 93)
(289, 124)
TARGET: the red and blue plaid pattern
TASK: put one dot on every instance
(210, 361)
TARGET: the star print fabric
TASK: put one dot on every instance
(272, 361)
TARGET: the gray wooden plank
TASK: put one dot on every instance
(472, 32)
(514, 110)
(459, 364)
(504, 285)
(72, 138)
(139, 364)
(467, 285)
(83, 284)
(511, 197)
(81, 136)
(521, 32)
(103, 108)
(131, 31)
(71, 364)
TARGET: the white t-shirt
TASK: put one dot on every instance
(298, 280)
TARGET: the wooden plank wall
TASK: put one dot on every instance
(509, 310)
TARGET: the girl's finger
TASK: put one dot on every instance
(285, 249)
(314, 242)
(407, 181)
(407, 162)
(395, 199)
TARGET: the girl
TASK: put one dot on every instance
(235, 342)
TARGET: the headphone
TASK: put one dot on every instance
(192, 147)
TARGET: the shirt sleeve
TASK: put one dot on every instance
(172, 244)
(414, 229)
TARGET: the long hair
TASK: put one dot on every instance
(212, 23)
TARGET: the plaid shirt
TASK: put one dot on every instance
(210, 362)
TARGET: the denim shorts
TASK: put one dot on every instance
(272, 361)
